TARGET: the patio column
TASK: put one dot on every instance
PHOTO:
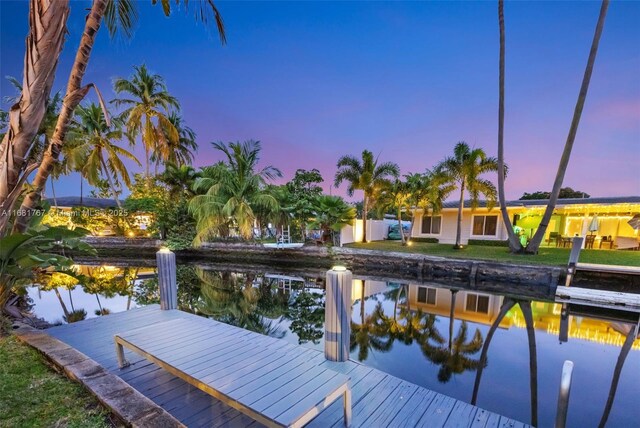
(166, 262)
(337, 310)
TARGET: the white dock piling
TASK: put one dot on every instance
(166, 261)
(563, 395)
(337, 322)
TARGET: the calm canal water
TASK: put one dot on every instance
(423, 333)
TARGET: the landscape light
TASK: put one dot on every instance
(339, 269)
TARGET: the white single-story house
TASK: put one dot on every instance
(607, 219)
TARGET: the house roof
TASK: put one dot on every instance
(561, 202)
(75, 201)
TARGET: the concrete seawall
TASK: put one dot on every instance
(417, 267)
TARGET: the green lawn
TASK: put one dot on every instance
(33, 395)
(546, 256)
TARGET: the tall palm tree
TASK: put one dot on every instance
(234, 189)
(395, 195)
(514, 243)
(47, 30)
(331, 214)
(180, 179)
(456, 357)
(535, 242)
(147, 113)
(464, 169)
(366, 175)
(369, 334)
(178, 152)
(427, 191)
(97, 155)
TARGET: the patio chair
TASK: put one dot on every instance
(553, 237)
(589, 240)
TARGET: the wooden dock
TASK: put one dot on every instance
(379, 399)
(592, 267)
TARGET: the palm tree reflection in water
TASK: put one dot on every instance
(378, 331)
(232, 299)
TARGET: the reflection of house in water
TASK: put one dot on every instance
(369, 287)
(483, 308)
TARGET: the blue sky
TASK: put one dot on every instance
(314, 81)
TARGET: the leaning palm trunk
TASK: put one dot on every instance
(626, 347)
(514, 243)
(75, 94)
(47, 28)
(533, 246)
(111, 184)
(64, 307)
(525, 307)
(507, 304)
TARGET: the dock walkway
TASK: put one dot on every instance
(379, 399)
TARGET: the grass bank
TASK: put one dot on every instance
(33, 395)
(546, 256)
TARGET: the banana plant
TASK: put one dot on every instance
(40, 249)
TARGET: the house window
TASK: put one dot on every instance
(431, 225)
(477, 303)
(427, 295)
(485, 225)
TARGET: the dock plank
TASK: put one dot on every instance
(378, 398)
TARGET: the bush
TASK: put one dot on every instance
(488, 243)
(427, 240)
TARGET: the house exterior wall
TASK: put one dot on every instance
(448, 226)
(442, 305)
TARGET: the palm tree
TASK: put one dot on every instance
(514, 243)
(147, 113)
(177, 152)
(456, 357)
(464, 169)
(97, 155)
(365, 175)
(427, 191)
(47, 30)
(180, 179)
(234, 189)
(525, 307)
(331, 214)
(396, 195)
(369, 334)
(535, 242)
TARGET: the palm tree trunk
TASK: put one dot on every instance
(452, 310)
(110, 179)
(514, 243)
(75, 94)
(47, 29)
(533, 361)
(99, 304)
(534, 245)
(146, 155)
(53, 192)
(64, 307)
(460, 208)
(71, 300)
(365, 211)
(626, 347)
(81, 191)
(507, 304)
(400, 225)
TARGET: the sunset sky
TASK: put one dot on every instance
(314, 81)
